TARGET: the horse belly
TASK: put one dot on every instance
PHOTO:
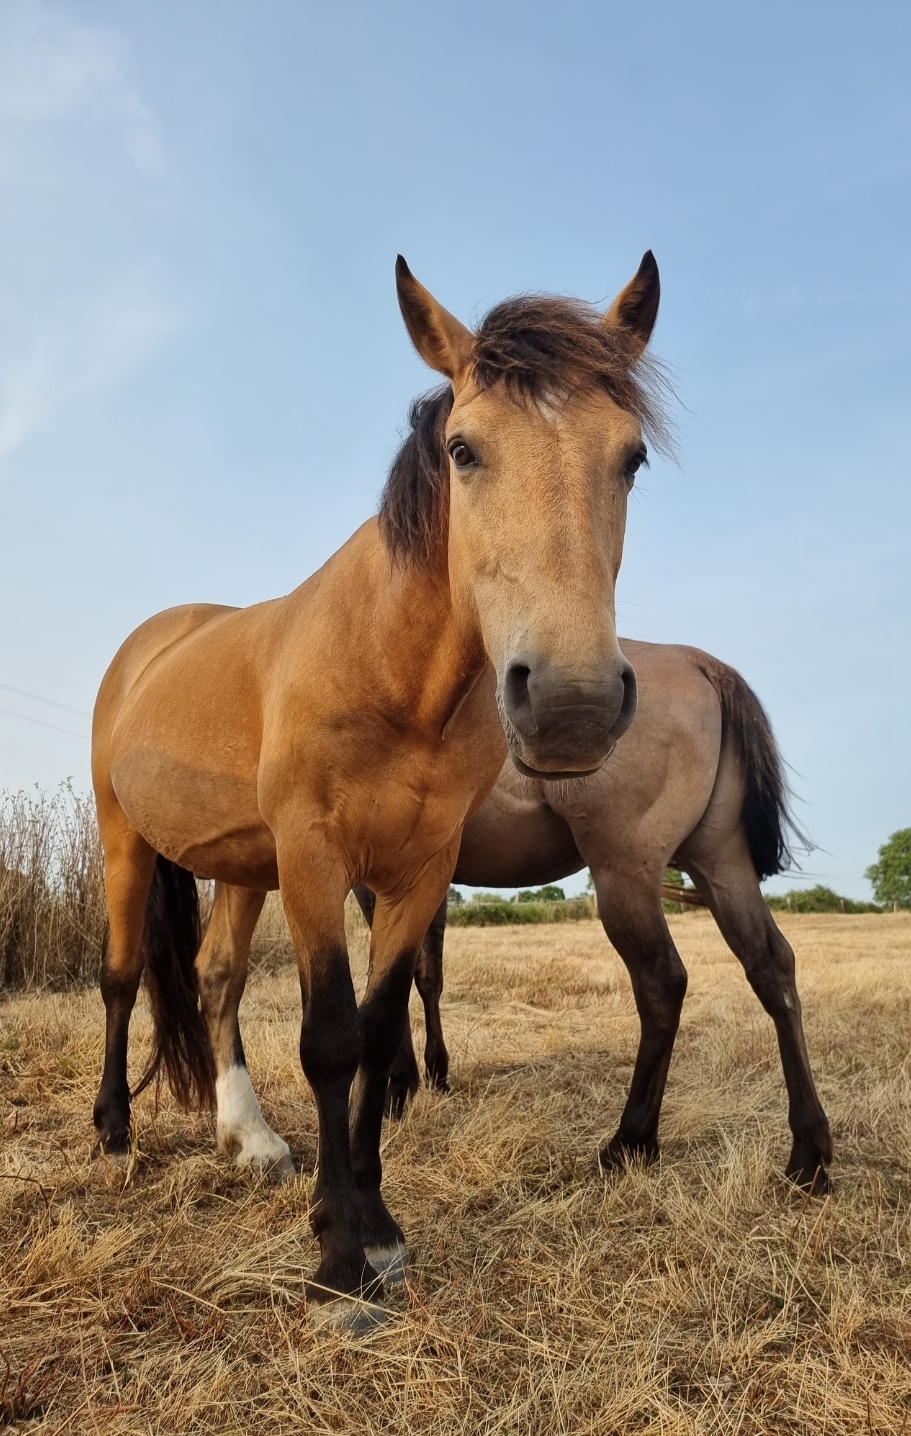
(504, 846)
(205, 820)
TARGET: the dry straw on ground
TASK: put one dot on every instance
(702, 1296)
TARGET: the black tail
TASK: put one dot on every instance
(173, 933)
(767, 819)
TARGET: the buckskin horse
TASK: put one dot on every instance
(344, 733)
(697, 782)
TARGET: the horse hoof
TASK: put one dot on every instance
(347, 1316)
(391, 1263)
(816, 1183)
(271, 1160)
(120, 1156)
(396, 1102)
(274, 1166)
(279, 1170)
(283, 1170)
(807, 1165)
(619, 1154)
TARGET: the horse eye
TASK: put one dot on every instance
(461, 455)
(634, 465)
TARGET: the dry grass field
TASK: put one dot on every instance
(701, 1296)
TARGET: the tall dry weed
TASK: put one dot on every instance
(51, 897)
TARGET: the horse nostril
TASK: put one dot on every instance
(518, 699)
(630, 700)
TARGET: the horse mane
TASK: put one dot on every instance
(536, 345)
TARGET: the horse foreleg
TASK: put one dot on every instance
(313, 892)
(399, 927)
(129, 863)
(221, 967)
(629, 905)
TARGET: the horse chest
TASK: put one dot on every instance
(417, 807)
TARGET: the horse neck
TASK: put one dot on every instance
(428, 656)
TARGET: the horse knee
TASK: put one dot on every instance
(332, 1031)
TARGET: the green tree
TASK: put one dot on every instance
(454, 896)
(891, 876)
(549, 893)
(817, 899)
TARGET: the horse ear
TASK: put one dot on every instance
(442, 342)
(636, 307)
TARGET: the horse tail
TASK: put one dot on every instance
(173, 934)
(768, 822)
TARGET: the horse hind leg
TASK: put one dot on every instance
(129, 864)
(629, 905)
(221, 967)
(731, 888)
(404, 1078)
(429, 983)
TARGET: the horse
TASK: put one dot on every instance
(696, 784)
(345, 732)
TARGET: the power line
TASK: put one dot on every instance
(38, 723)
(51, 703)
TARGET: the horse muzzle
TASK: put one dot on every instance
(560, 725)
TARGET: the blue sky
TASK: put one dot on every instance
(203, 373)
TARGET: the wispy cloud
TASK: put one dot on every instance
(90, 310)
(88, 346)
(794, 297)
(54, 69)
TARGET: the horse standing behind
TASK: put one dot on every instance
(344, 734)
(697, 782)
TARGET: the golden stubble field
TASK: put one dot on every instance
(701, 1296)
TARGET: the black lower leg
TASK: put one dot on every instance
(404, 1078)
(637, 1134)
(330, 1050)
(429, 979)
(768, 961)
(384, 1013)
(659, 984)
(111, 1113)
(811, 1148)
